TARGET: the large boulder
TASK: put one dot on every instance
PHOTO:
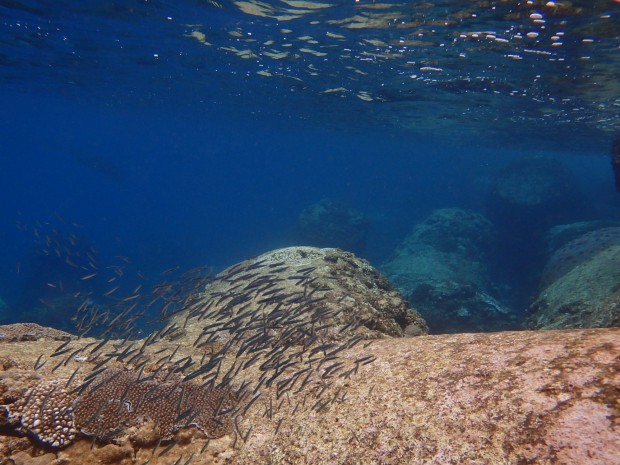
(561, 234)
(354, 297)
(329, 223)
(512, 397)
(441, 268)
(580, 285)
(526, 198)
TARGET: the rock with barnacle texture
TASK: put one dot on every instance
(31, 332)
(351, 295)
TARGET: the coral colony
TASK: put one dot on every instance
(273, 326)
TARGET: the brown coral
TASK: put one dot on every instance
(117, 400)
(45, 412)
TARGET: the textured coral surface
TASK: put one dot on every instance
(546, 397)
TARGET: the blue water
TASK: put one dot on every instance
(178, 133)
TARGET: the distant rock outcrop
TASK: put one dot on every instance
(31, 332)
(527, 197)
(441, 268)
(329, 223)
(561, 234)
(580, 285)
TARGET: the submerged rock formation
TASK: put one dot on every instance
(269, 329)
(332, 224)
(298, 357)
(31, 332)
(534, 191)
(580, 285)
(441, 268)
(527, 197)
(513, 397)
(352, 296)
(561, 234)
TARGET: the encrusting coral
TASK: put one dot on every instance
(114, 401)
(117, 399)
(45, 413)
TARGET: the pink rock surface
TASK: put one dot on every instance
(544, 397)
(535, 397)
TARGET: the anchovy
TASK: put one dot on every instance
(72, 377)
(59, 353)
(167, 449)
(36, 364)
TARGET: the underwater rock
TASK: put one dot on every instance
(527, 197)
(580, 285)
(561, 234)
(275, 326)
(615, 161)
(31, 332)
(533, 187)
(351, 296)
(441, 267)
(23, 458)
(512, 397)
(332, 224)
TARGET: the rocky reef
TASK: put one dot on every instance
(536, 191)
(353, 297)
(580, 285)
(512, 397)
(559, 235)
(441, 268)
(31, 332)
(329, 223)
(303, 356)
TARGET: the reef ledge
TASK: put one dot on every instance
(543, 397)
